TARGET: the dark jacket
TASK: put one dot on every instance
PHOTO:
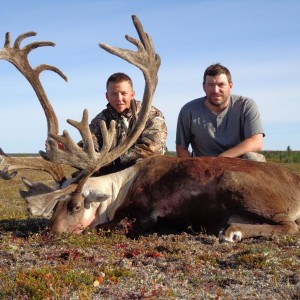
(151, 141)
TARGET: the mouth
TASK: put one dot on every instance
(75, 229)
(216, 97)
(120, 105)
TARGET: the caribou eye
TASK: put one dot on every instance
(77, 208)
(74, 206)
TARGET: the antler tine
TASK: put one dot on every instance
(45, 67)
(7, 40)
(22, 37)
(7, 175)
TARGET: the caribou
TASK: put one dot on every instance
(232, 197)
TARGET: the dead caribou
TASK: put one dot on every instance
(239, 197)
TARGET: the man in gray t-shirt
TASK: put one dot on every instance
(219, 123)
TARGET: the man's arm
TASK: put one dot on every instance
(251, 144)
(182, 153)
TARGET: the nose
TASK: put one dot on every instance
(215, 88)
(119, 96)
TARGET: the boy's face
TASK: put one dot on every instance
(119, 95)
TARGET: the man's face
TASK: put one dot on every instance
(119, 95)
(217, 89)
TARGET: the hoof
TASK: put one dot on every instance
(231, 237)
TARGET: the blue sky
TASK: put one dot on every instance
(258, 40)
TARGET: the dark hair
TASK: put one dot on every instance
(217, 69)
(118, 77)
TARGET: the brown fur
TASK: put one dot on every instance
(206, 192)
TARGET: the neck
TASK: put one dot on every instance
(116, 186)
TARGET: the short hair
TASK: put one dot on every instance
(217, 69)
(118, 77)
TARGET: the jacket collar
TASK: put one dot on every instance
(127, 113)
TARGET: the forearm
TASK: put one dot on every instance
(182, 153)
(252, 144)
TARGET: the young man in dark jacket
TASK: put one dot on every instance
(123, 108)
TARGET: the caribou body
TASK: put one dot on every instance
(238, 197)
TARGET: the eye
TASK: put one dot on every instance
(75, 204)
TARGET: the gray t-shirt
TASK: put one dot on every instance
(210, 134)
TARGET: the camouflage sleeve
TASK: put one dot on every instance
(151, 141)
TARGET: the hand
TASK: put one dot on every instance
(144, 150)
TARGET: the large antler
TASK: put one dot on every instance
(87, 158)
(19, 58)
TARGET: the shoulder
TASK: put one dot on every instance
(241, 100)
(192, 104)
(101, 116)
(245, 105)
(154, 111)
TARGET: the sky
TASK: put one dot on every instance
(258, 40)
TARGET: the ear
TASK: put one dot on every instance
(231, 85)
(106, 96)
(133, 94)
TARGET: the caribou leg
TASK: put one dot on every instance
(236, 231)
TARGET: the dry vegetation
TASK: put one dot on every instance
(109, 265)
